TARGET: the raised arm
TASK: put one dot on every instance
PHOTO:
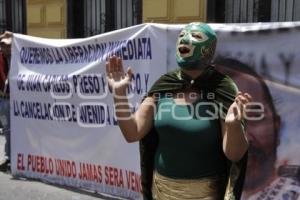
(235, 143)
(133, 126)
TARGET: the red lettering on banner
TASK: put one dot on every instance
(87, 172)
(65, 168)
(28, 161)
(90, 172)
(114, 176)
(39, 164)
(20, 161)
(133, 181)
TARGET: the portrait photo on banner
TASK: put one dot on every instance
(272, 168)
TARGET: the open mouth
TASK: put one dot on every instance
(184, 50)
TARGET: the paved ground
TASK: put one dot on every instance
(24, 189)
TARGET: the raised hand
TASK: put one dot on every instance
(236, 110)
(118, 81)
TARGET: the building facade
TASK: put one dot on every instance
(82, 18)
(68, 18)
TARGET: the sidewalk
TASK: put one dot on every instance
(23, 189)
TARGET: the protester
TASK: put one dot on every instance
(263, 180)
(5, 55)
(190, 124)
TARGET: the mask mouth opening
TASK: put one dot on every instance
(184, 50)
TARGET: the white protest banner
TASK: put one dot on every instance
(62, 117)
(272, 49)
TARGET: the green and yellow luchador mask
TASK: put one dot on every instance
(196, 46)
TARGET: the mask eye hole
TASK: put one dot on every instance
(198, 36)
(181, 34)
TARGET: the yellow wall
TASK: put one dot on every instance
(174, 11)
(46, 18)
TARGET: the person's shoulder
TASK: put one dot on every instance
(225, 82)
(222, 76)
(169, 76)
(171, 72)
